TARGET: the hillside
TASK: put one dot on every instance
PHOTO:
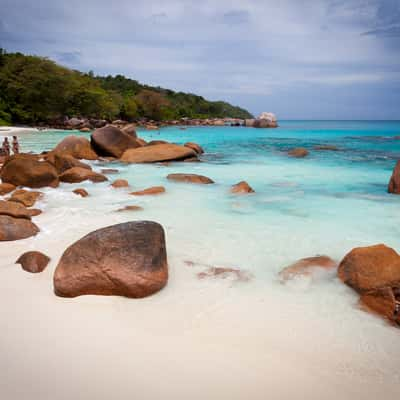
(37, 90)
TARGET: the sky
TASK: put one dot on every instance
(302, 59)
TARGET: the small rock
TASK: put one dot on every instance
(25, 197)
(76, 175)
(33, 261)
(150, 191)
(242, 188)
(326, 147)
(299, 152)
(190, 178)
(130, 208)
(81, 192)
(120, 183)
(107, 171)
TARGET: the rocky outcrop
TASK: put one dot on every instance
(81, 192)
(306, 267)
(150, 191)
(14, 209)
(120, 183)
(77, 147)
(374, 272)
(299, 152)
(27, 170)
(242, 188)
(25, 197)
(77, 174)
(16, 228)
(195, 147)
(33, 261)
(190, 178)
(110, 141)
(157, 153)
(127, 259)
(6, 188)
(394, 183)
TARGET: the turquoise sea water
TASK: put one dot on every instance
(326, 203)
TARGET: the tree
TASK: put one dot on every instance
(152, 104)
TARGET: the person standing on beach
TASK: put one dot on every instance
(15, 145)
(6, 146)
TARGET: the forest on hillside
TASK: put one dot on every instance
(36, 90)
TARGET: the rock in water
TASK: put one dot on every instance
(16, 228)
(190, 178)
(77, 147)
(120, 183)
(77, 174)
(26, 197)
(110, 141)
(242, 188)
(33, 261)
(26, 170)
(150, 191)
(394, 183)
(63, 162)
(157, 153)
(299, 152)
(127, 259)
(81, 192)
(369, 268)
(194, 146)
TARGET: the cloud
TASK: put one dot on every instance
(236, 17)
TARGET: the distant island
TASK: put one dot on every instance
(37, 91)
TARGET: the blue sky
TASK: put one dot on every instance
(302, 59)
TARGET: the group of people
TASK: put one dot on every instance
(6, 148)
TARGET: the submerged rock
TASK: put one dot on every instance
(190, 178)
(298, 152)
(157, 153)
(120, 183)
(27, 170)
(306, 266)
(110, 141)
(130, 208)
(16, 228)
(326, 147)
(77, 174)
(149, 191)
(242, 188)
(33, 261)
(77, 147)
(127, 259)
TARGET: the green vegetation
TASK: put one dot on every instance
(37, 90)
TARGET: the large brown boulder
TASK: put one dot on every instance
(77, 147)
(190, 178)
(62, 162)
(14, 209)
(130, 130)
(110, 141)
(77, 174)
(394, 183)
(242, 188)
(6, 188)
(33, 261)
(27, 170)
(26, 197)
(127, 259)
(16, 228)
(370, 268)
(306, 266)
(157, 153)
